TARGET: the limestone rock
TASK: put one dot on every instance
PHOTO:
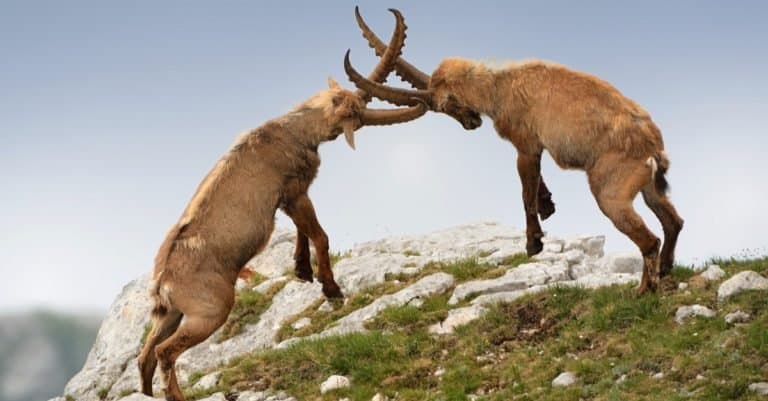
(737, 317)
(457, 317)
(264, 396)
(354, 322)
(208, 381)
(759, 388)
(564, 379)
(521, 277)
(601, 279)
(334, 382)
(369, 263)
(743, 281)
(301, 323)
(590, 245)
(265, 286)
(139, 397)
(252, 396)
(625, 262)
(277, 257)
(685, 312)
(214, 397)
(713, 273)
(118, 341)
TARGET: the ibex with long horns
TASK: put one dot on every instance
(583, 122)
(231, 217)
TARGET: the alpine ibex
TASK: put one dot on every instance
(582, 121)
(231, 217)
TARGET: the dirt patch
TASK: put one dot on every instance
(528, 322)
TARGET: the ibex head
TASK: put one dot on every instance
(435, 92)
(347, 111)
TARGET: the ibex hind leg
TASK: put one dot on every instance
(203, 314)
(615, 182)
(163, 325)
(671, 223)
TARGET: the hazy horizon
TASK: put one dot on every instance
(112, 113)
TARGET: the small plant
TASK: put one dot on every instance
(486, 253)
(409, 252)
(194, 377)
(249, 305)
(147, 329)
(102, 393)
(515, 260)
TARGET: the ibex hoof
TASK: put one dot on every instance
(304, 275)
(332, 291)
(533, 246)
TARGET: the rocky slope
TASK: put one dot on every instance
(376, 276)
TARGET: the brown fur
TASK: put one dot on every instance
(584, 123)
(230, 218)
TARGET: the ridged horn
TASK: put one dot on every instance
(398, 96)
(405, 70)
(391, 53)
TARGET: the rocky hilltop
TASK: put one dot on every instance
(471, 269)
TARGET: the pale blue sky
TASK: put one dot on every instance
(111, 114)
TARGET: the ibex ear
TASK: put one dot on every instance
(332, 84)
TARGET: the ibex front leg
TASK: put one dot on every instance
(529, 166)
(301, 211)
(301, 256)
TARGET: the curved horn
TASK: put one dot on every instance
(398, 96)
(403, 69)
(387, 62)
(392, 116)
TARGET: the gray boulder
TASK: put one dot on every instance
(740, 282)
(686, 312)
(117, 342)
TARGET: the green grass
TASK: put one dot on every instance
(515, 350)
(248, 307)
(472, 269)
(462, 270)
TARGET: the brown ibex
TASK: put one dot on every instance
(231, 217)
(582, 121)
